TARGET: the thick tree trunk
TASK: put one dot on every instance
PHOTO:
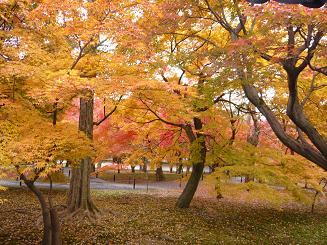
(79, 193)
(51, 225)
(186, 197)
(79, 197)
(159, 174)
(198, 155)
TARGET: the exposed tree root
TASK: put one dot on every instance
(89, 215)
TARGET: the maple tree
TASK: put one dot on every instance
(36, 147)
(78, 37)
(225, 39)
(177, 79)
(239, 38)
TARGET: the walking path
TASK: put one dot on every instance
(99, 184)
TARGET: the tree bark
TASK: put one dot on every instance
(159, 174)
(51, 225)
(303, 149)
(198, 155)
(233, 131)
(187, 169)
(79, 193)
(253, 137)
(180, 169)
(145, 164)
(295, 113)
(316, 149)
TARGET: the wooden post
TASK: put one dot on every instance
(114, 178)
(134, 184)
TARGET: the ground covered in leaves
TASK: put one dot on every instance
(140, 218)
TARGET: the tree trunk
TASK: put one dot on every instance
(316, 149)
(145, 164)
(186, 197)
(51, 225)
(180, 168)
(159, 174)
(198, 155)
(133, 169)
(79, 193)
(304, 149)
(233, 130)
(55, 226)
(187, 169)
(253, 137)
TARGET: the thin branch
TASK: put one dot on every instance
(164, 78)
(322, 70)
(310, 54)
(253, 25)
(146, 122)
(6, 58)
(220, 20)
(160, 118)
(242, 19)
(238, 107)
(81, 53)
(181, 76)
(109, 114)
(310, 91)
(194, 35)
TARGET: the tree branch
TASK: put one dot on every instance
(109, 114)
(307, 151)
(160, 118)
